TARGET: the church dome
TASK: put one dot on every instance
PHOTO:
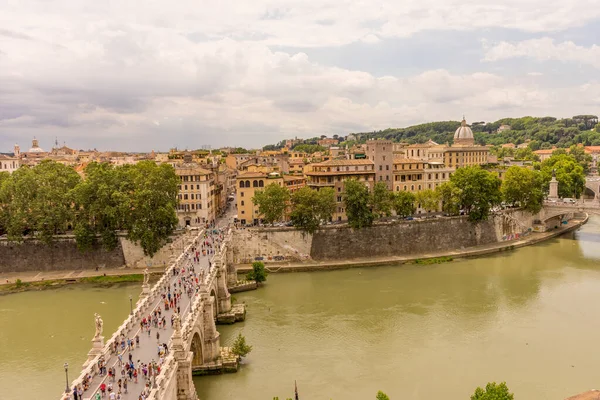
(463, 134)
(35, 147)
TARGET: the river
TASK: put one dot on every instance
(528, 317)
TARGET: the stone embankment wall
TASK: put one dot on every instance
(63, 255)
(382, 240)
(32, 255)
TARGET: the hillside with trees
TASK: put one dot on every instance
(538, 132)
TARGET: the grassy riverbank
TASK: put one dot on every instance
(103, 280)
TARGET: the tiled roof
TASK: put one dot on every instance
(331, 163)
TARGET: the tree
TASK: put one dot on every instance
(153, 201)
(311, 207)
(272, 202)
(103, 202)
(404, 203)
(38, 200)
(428, 199)
(584, 159)
(524, 187)
(239, 347)
(493, 391)
(381, 200)
(569, 174)
(478, 191)
(258, 273)
(357, 201)
(449, 194)
(381, 396)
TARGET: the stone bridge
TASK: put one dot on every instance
(592, 186)
(193, 341)
(556, 212)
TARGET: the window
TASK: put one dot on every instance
(185, 187)
(380, 178)
(255, 184)
(243, 212)
(242, 203)
(387, 167)
(185, 196)
(197, 187)
(412, 187)
(384, 156)
(419, 187)
(339, 189)
(262, 184)
(397, 188)
(247, 183)
(339, 199)
(381, 167)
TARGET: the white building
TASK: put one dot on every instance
(10, 163)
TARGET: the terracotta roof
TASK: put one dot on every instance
(293, 178)
(330, 163)
(591, 395)
(252, 174)
(544, 151)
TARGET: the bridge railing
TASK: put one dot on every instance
(161, 383)
(142, 305)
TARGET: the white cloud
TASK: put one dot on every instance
(545, 49)
(164, 74)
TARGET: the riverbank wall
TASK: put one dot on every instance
(484, 244)
(63, 255)
(398, 238)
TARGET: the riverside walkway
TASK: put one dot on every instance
(197, 274)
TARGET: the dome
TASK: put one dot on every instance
(35, 148)
(464, 134)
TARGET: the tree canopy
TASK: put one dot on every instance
(50, 198)
(357, 201)
(493, 391)
(524, 187)
(311, 207)
(473, 190)
(272, 202)
(381, 200)
(404, 203)
(569, 174)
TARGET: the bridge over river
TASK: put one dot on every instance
(192, 339)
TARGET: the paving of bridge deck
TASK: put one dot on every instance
(148, 349)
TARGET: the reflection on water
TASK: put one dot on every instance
(529, 317)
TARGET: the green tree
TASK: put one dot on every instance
(569, 174)
(240, 348)
(272, 202)
(357, 201)
(584, 159)
(404, 203)
(381, 200)
(524, 187)
(311, 207)
(38, 200)
(526, 154)
(103, 201)
(381, 396)
(493, 391)
(151, 218)
(477, 191)
(450, 196)
(428, 199)
(258, 273)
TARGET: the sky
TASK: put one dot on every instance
(152, 75)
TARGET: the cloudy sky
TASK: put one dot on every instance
(132, 75)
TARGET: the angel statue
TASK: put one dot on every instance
(99, 325)
(146, 277)
(176, 322)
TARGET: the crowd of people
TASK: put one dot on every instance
(125, 373)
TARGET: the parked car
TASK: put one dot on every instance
(569, 200)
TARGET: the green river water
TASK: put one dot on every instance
(528, 317)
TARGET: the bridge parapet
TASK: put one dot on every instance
(90, 367)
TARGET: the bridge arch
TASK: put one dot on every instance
(215, 301)
(197, 350)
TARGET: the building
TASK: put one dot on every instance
(334, 173)
(9, 163)
(327, 142)
(544, 154)
(380, 152)
(503, 128)
(247, 184)
(196, 193)
(408, 175)
(464, 152)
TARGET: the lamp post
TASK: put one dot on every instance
(131, 304)
(66, 377)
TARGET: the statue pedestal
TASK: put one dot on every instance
(553, 193)
(97, 348)
(145, 290)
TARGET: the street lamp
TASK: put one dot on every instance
(131, 304)
(66, 377)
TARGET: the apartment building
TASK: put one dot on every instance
(334, 173)
(196, 193)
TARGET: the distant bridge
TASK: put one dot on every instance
(193, 343)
